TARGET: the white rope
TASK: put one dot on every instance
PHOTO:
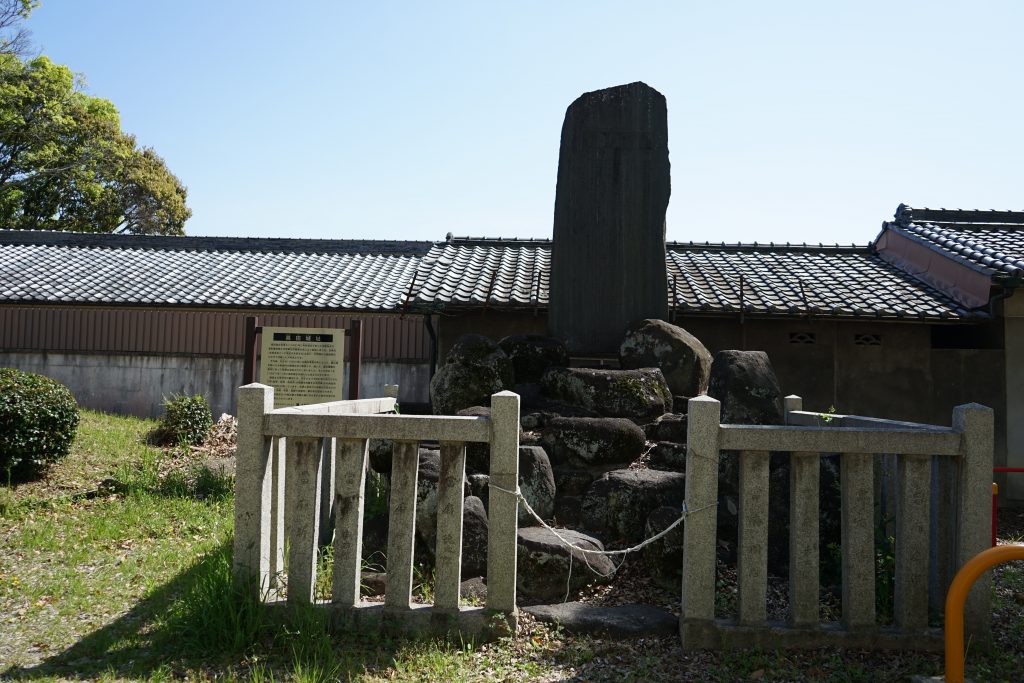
(586, 551)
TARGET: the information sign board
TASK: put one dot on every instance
(304, 365)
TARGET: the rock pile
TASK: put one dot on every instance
(603, 452)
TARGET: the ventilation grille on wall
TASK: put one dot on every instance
(867, 340)
(802, 338)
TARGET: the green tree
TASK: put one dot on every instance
(64, 162)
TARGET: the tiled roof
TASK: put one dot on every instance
(801, 280)
(991, 241)
(830, 282)
(783, 280)
(202, 271)
(484, 272)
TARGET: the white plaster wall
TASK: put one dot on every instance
(137, 384)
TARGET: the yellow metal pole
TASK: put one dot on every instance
(956, 597)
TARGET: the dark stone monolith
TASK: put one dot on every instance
(608, 257)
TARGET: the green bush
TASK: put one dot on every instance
(186, 420)
(38, 418)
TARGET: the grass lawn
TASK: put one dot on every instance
(117, 567)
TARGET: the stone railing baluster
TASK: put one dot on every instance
(913, 482)
(302, 498)
(401, 525)
(449, 525)
(803, 538)
(699, 543)
(856, 475)
(348, 490)
(752, 560)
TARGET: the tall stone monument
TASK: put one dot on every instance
(608, 257)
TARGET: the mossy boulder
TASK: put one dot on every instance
(617, 505)
(532, 354)
(537, 482)
(474, 369)
(544, 561)
(478, 350)
(682, 358)
(640, 395)
(745, 383)
(456, 386)
(664, 557)
(588, 441)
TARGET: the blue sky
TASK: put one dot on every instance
(788, 121)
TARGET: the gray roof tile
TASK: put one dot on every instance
(990, 241)
(201, 271)
(800, 280)
(487, 272)
(778, 280)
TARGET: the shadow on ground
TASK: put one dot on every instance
(197, 622)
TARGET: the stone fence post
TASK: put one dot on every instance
(699, 530)
(974, 522)
(251, 563)
(504, 508)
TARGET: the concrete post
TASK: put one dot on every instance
(699, 530)
(349, 492)
(402, 525)
(251, 563)
(856, 475)
(913, 484)
(302, 497)
(328, 448)
(974, 508)
(790, 404)
(752, 561)
(277, 512)
(449, 526)
(804, 561)
(503, 508)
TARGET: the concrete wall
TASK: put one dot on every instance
(137, 384)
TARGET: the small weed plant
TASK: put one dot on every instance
(186, 421)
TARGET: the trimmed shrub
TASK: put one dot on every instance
(186, 420)
(38, 419)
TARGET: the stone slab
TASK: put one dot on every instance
(624, 621)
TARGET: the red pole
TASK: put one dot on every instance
(995, 496)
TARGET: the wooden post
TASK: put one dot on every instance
(252, 328)
(355, 358)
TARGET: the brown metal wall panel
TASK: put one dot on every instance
(177, 331)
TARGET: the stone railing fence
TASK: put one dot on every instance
(927, 466)
(311, 461)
